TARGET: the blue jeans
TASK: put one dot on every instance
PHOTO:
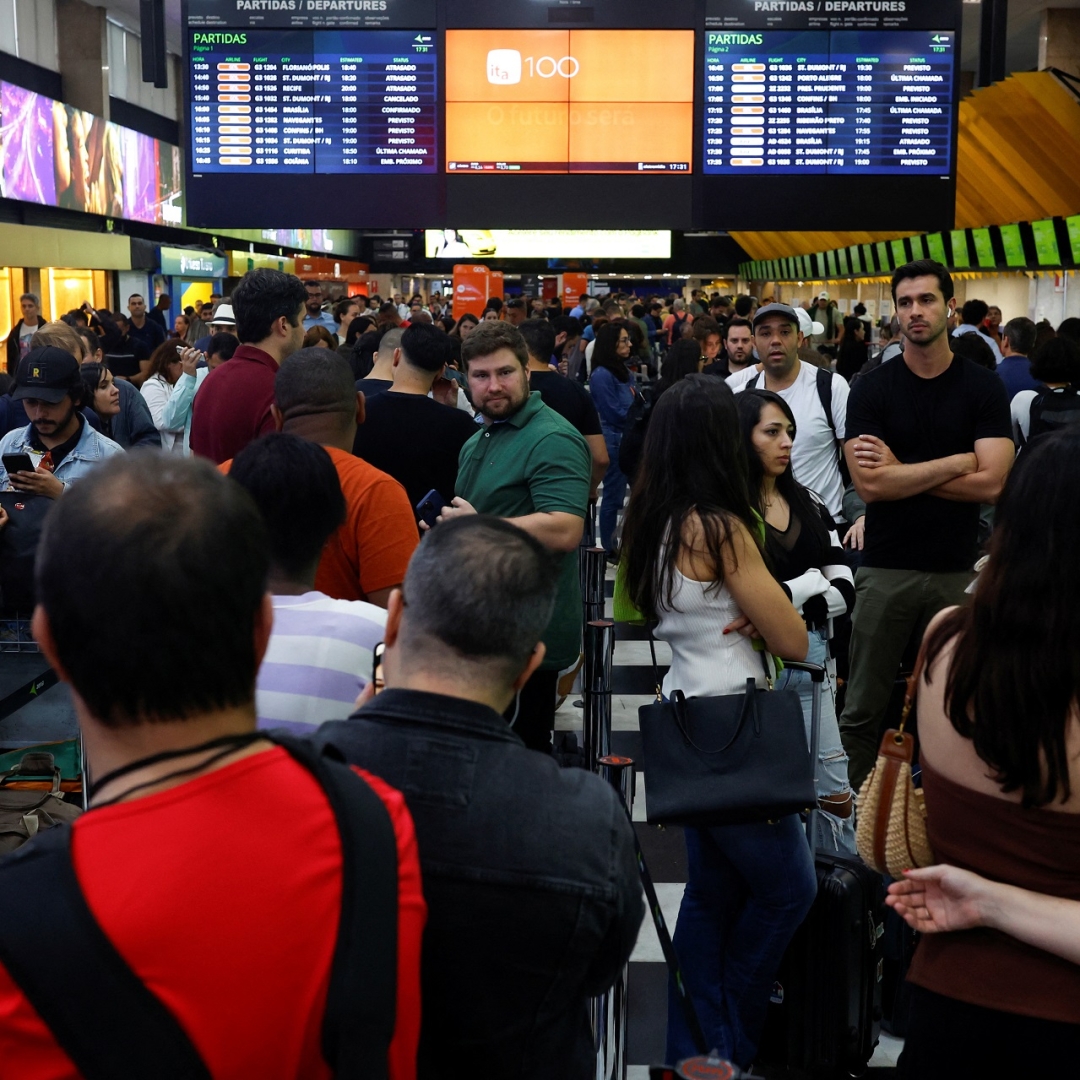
(835, 835)
(749, 888)
(614, 492)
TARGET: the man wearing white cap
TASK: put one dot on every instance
(811, 328)
(223, 322)
(817, 398)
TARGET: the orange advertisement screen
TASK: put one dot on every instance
(579, 101)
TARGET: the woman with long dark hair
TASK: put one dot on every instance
(102, 393)
(694, 562)
(461, 330)
(682, 359)
(805, 556)
(612, 388)
(999, 734)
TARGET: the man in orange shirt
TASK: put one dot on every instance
(315, 397)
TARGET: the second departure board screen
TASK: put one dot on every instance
(313, 101)
(828, 101)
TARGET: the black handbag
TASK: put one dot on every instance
(725, 760)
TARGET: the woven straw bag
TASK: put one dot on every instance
(891, 828)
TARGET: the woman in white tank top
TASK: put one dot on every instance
(694, 563)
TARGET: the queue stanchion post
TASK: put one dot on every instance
(596, 686)
(611, 1056)
(593, 568)
(588, 540)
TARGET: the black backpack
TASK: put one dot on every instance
(824, 389)
(114, 1028)
(18, 547)
(1051, 410)
(634, 429)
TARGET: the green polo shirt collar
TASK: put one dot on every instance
(527, 411)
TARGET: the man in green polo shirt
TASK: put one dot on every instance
(529, 465)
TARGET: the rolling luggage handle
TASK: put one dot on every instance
(817, 673)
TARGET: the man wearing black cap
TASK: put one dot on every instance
(62, 446)
(816, 396)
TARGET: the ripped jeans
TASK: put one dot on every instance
(834, 834)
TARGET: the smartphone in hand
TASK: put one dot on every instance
(376, 667)
(430, 507)
(14, 463)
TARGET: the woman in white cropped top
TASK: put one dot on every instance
(694, 562)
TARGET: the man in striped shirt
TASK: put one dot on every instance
(320, 651)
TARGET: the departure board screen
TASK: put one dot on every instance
(828, 101)
(313, 101)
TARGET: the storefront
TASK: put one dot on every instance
(190, 275)
(64, 267)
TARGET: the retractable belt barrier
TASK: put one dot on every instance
(19, 699)
(608, 1012)
(591, 569)
(596, 689)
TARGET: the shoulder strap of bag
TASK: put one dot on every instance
(824, 393)
(824, 379)
(97, 1008)
(911, 688)
(361, 1006)
(655, 666)
(751, 384)
(46, 928)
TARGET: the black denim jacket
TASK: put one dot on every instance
(530, 878)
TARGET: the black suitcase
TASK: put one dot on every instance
(824, 1016)
(825, 1013)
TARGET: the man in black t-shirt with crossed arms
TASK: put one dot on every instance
(929, 440)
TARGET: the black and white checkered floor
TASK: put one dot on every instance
(664, 852)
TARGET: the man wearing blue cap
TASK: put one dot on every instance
(61, 445)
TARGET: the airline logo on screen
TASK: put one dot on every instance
(503, 67)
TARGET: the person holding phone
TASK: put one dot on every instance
(166, 367)
(58, 443)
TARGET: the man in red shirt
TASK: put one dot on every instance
(232, 406)
(210, 857)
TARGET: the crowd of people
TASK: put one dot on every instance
(350, 531)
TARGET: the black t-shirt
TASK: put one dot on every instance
(921, 420)
(123, 358)
(568, 398)
(371, 387)
(150, 334)
(416, 440)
